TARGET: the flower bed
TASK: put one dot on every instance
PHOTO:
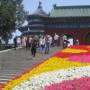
(66, 70)
(1, 85)
(76, 84)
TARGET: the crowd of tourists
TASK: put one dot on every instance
(43, 42)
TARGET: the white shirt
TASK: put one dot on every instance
(56, 37)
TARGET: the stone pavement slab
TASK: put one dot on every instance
(14, 61)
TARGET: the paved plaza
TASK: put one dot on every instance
(14, 61)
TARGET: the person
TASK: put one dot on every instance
(47, 45)
(33, 47)
(15, 42)
(42, 44)
(23, 41)
(51, 40)
(30, 39)
(27, 42)
(56, 38)
(77, 42)
(18, 41)
(65, 43)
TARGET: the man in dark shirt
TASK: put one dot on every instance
(33, 47)
(15, 42)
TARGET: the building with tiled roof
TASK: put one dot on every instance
(73, 21)
(70, 11)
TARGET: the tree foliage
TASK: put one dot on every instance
(12, 15)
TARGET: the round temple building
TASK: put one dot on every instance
(72, 21)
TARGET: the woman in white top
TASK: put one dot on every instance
(42, 44)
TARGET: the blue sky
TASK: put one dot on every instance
(31, 5)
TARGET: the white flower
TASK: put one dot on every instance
(45, 79)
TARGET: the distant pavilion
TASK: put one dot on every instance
(72, 21)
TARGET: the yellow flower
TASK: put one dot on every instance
(51, 64)
(72, 50)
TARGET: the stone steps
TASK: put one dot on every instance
(7, 75)
(15, 61)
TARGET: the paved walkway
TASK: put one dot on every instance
(14, 61)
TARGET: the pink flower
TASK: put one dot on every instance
(76, 84)
(80, 58)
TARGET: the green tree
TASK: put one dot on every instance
(12, 15)
(21, 14)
